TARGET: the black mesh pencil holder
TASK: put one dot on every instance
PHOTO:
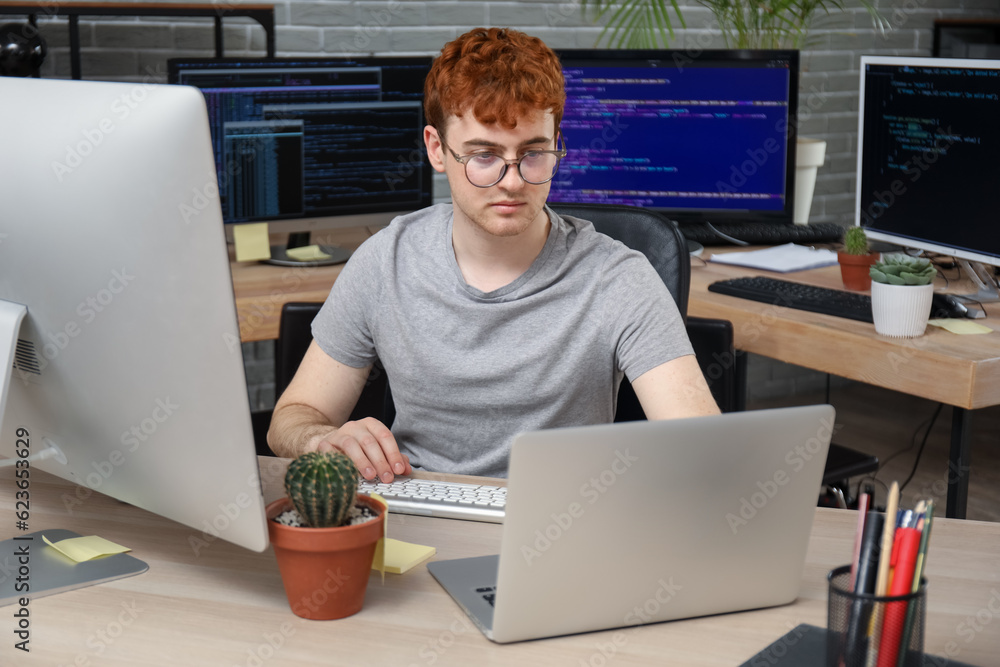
(889, 627)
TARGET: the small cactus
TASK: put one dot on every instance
(900, 269)
(322, 486)
(855, 241)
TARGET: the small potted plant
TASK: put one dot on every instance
(902, 290)
(324, 547)
(856, 260)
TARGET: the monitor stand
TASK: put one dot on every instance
(986, 285)
(279, 253)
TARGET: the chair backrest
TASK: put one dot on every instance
(647, 231)
(294, 337)
(664, 246)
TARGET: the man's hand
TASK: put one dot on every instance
(370, 444)
(312, 415)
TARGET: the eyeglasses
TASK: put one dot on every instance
(485, 170)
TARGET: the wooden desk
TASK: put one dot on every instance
(226, 605)
(961, 371)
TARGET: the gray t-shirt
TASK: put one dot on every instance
(469, 370)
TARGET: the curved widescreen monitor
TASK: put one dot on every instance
(703, 137)
(314, 143)
(929, 137)
(116, 304)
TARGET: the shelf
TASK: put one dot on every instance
(262, 14)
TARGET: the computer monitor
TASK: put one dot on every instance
(928, 141)
(701, 137)
(116, 304)
(315, 143)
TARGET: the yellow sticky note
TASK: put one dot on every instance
(962, 327)
(395, 556)
(378, 563)
(309, 253)
(252, 242)
(83, 549)
(401, 556)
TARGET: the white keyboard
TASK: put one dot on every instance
(449, 500)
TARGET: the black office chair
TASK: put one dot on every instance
(666, 248)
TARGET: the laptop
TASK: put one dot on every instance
(620, 525)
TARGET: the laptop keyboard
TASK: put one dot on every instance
(447, 500)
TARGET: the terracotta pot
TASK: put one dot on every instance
(325, 570)
(854, 270)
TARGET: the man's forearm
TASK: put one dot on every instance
(296, 428)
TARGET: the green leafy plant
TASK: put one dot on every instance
(900, 269)
(745, 24)
(855, 241)
(322, 486)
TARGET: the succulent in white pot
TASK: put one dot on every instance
(902, 290)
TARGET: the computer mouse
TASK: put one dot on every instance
(947, 305)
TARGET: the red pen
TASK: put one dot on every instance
(904, 558)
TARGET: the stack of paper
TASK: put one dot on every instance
(782, 258)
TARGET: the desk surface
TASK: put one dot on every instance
(963, 371)
(226, 605)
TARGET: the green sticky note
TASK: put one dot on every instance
(82, 549)
(252, 242)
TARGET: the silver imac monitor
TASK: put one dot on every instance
(116, 304)
(928, 140)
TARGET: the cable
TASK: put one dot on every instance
(913, 439)
(921, 450)
(724, 236)
(874, 479)
(51, 451)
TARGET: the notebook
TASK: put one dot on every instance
(619, 525)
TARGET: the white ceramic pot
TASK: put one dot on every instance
(809, 156)
(901, 311)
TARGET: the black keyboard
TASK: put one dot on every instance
(851, 305)
(763, 233)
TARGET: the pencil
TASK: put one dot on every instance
(882, 581)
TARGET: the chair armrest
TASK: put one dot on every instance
(723, 367)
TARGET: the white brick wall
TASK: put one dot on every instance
(132, 49)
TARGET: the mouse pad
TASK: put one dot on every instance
(805, 646)
(31, 568)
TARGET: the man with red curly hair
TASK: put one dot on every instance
(491, 315)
